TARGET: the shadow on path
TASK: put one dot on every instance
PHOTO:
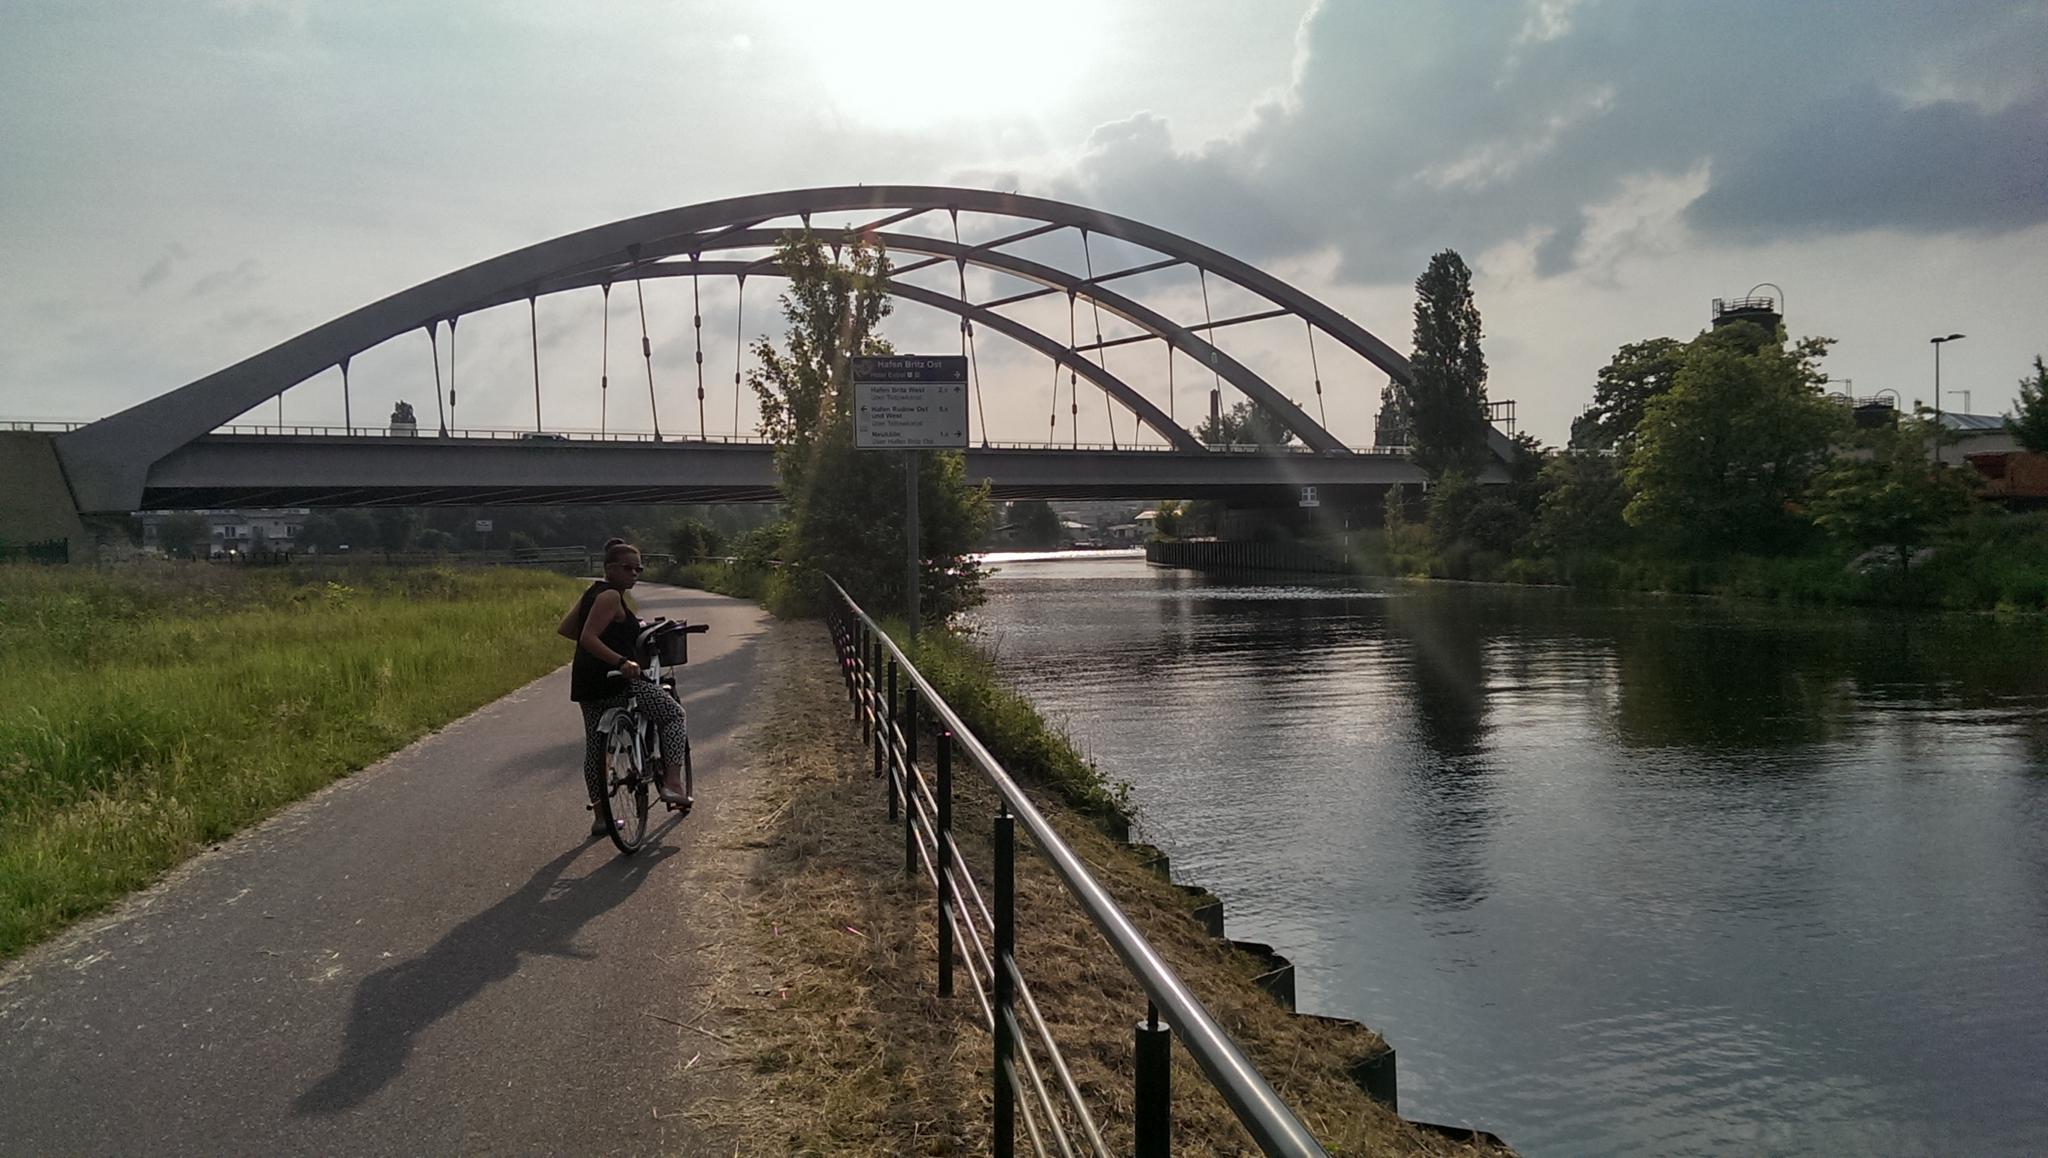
(393, 1005)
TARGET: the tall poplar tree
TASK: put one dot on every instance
(1445, 406)
(846, 504)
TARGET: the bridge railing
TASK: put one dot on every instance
(491, 433)
(893, 703)
(550, 437)
(511, 434)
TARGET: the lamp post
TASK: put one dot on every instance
(1937, 342)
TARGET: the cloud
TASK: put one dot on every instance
(1867, 163)
(244, 275)
(159, 269)
(1411, 125)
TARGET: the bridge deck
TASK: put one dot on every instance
(229, 470)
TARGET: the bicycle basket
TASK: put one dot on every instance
(666, 641)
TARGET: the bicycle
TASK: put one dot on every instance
(632, 744)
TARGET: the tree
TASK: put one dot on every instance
(1445, 406)
(2029, 423)
(847, 505)
(1581, 507)
(1245, 424)
(396, 527)
(1637, 373)
(320, 532)
(184, 535)
(358, 530)
(1463, 511)
(1167, 524)
(1038, 525)
(1895, 498)
(1720, 456)
(694, 538)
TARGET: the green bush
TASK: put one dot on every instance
(1012, 729)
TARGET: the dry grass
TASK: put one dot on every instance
(842, 1045)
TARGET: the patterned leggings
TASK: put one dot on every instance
(655, 704)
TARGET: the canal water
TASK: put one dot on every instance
(1615, 875)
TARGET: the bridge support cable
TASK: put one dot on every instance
(533, 324)
(1216, 378)
(347, 422)
(1101, 359)
(739, 349)
(452, 319)
(1169, 381)
(697, 329)
(434, 348)
(1052, 418)
(967, 330)
(646, 347)
(604, 362)
(1073, 387)
(1322, 415)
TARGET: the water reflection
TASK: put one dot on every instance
(1616, 876)
(1443, 660)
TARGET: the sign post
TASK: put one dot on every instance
(910, 403)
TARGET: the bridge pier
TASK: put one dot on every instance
(35, 500)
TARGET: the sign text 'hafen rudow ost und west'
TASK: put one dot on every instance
(909, 402)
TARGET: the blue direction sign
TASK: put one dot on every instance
(909, 402)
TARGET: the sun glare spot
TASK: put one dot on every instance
(908, 64)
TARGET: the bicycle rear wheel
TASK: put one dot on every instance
(624, 804)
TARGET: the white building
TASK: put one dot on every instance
(234, 532)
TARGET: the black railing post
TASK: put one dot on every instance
(858, 668)
(895, 735)
(1005, 1140)
(909, 792)
(881, 718)
(896, 745)
(943, 850)
(1153, 1125)
(911, 803)
(872, 663)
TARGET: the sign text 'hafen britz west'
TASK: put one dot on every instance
(909, 402)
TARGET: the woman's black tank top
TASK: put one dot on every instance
(588, 675)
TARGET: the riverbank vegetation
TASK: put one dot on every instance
(148, 711)
(1717, 465)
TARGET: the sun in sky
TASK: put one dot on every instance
(913, 64)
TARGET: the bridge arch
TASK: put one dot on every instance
(108, 461)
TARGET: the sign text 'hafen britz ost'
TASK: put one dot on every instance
(909, 402)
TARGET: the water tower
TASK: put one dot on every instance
(1758, 309)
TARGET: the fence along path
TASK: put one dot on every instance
(891, 699)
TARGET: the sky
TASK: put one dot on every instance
(184, 183)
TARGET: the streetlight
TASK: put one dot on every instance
(1937, 342)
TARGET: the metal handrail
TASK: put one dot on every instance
(1251, 1098)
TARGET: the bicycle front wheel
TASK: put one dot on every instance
(624, 805)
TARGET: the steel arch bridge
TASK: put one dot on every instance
(111, 464)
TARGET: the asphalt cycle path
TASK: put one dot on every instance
(429, 957)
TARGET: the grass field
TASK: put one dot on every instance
(148, 711)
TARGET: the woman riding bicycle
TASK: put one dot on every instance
(604, 624)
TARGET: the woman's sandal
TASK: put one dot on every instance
(675, 803)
